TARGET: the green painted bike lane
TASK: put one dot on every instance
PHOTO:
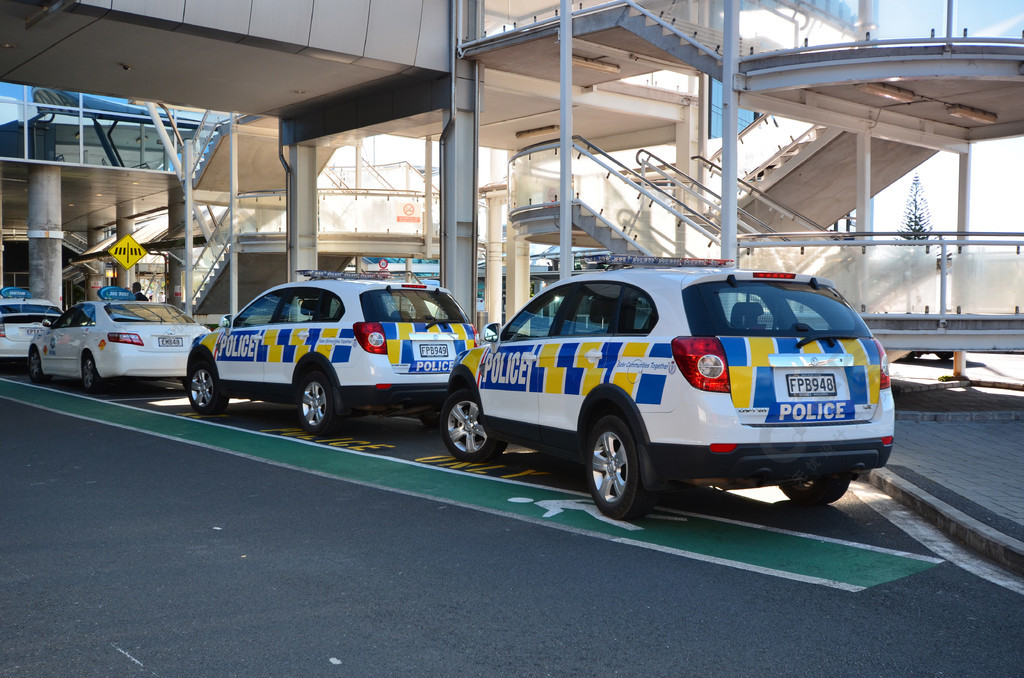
(815, 560)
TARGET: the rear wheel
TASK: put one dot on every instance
(613, 476)
(317, 409)
(35, 367)
(816, 491)
(91, 380)
(203, 389)
(462, 432)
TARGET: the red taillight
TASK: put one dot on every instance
(702, 361)
(723, 448)
(3, 330)
(371, 337)
(124, 338)
(883, 363)
(414, 286)
(887, 440)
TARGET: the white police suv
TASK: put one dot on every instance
(659, 373)
(335, 345)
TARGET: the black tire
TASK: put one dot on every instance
(613, 471)
(35, 367)
(462, 432)
(203, 387)
(816, 491)
(92, 382)
(318, 413)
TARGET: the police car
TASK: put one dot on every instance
(660, 373)
(116, 336)
(335, 345)
(21, 318)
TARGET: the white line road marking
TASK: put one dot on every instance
(935, 540)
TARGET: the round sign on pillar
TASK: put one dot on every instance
(383, 263)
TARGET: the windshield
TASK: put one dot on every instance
(406, 305)
(146, 312)
(755, 308)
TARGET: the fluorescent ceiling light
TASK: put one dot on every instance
(595, 65)
(968, 113)
(904, 96)
(537, 131)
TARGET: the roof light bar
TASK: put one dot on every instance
(618, 260)
(344, 275)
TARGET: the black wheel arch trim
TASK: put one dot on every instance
(461, 377)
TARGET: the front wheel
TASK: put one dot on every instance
(91, 380)
(317, 409)
(613, 476)
(203, 389)
(816, 491)
(462, 432)
(35, 367)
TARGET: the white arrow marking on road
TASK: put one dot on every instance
(555, 506)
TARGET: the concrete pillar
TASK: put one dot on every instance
(174, 285)
(492, 282)
(125, 226)
(864, 217)
(302, 222)
(94, 236)
(45, 233)
(963, 225)
(517, 274)
(730, 127)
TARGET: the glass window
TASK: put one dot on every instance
(331, 308)
(537, 319)
(299, 306)
(637, 314)
(410, 305)
(593, 310)
(769, 309)
(259, 312)
(131, 312)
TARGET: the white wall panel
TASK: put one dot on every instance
(222, 15)
(432, 51)
(340, 26)
(170, 10)
(102, 4)
(393, 30)
(283, 21)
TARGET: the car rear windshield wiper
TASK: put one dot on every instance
(830, 337)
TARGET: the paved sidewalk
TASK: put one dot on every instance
(958, 461)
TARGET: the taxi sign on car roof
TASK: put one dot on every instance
(114, 293)
(620, 260)
(14, 293)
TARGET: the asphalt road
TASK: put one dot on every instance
(139, 541)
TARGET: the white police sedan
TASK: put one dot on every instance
(114, 337)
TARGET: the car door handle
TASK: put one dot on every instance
(593, 355)
(527, 357)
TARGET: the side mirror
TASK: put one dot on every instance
(491, 331)
(225, 321)
(47, 322)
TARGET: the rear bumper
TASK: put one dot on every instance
(753, 464)
(396, 396)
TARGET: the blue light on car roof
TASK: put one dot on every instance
(11, 292)
(114, 293)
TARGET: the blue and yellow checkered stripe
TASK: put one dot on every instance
(399, 340)
(752, 381)
(566, 369)
(290, 345)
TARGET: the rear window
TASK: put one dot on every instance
(769, 309)
(145, 312)
(27, 313)
(405, 305)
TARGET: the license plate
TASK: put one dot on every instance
(170, 342)
(804, 385)
(433, 351)
(33, 331)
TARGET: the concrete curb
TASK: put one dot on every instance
(977, 536)
(908, 415)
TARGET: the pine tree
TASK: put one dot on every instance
(916, 217)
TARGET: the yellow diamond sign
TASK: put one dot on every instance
(127, 252)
